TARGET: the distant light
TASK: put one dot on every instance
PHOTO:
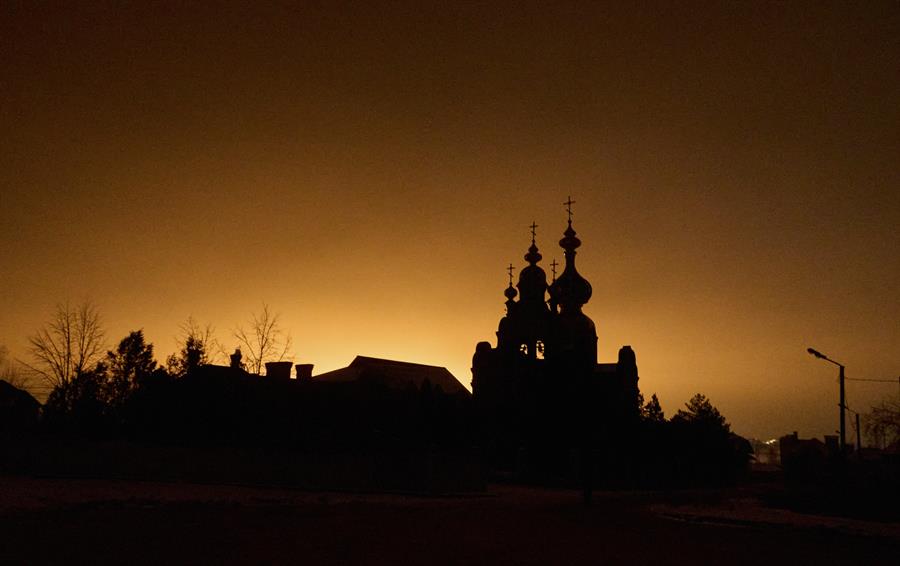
(770, 441)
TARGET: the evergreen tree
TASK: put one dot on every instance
(196, 349)
(652, 411)
(700, 411)
(129, 365)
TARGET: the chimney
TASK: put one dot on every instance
(236, 359)
(278, 370)
(304, 372)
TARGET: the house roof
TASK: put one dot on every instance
(394, 374)
(11, 396)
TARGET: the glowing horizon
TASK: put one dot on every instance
(370, 172)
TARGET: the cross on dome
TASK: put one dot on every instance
(569, 204)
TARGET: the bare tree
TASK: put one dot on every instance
(198, 348)
(882, 424)
(264, 341)
(70, 343)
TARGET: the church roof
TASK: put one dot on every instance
(394, 374)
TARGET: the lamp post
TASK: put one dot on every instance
(821, 356)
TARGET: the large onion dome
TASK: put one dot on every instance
(570, 290)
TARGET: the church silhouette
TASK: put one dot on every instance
(544, 402)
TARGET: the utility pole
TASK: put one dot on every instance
(842, 404)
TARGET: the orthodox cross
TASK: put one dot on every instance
(533, 233)
(553, 265)
(510, 270)
(569, 204)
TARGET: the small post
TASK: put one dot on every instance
(587, 474)
(858, 440)
(586, 438)
(843, 444)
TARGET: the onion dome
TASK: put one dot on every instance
(510, 292)
(569, 241)
(533, 256)
(570, 290)
(552, 302)
(532, 279)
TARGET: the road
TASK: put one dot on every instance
(76, 521)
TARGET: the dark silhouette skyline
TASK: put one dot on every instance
(734, 166)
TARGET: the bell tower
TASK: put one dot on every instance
(574, 332)
(526, 327)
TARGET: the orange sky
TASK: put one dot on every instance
(370, 172)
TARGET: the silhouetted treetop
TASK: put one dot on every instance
(129, 365)
(652, 411)
(69, 344)
(263, 341)
(80, 404)
(196, 351)
(882, 423)
(699, 410)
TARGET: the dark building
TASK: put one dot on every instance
(395, 375)
(19, 410)
(372, 402)
(541, 395)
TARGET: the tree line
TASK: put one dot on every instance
(68, 353)
(69, 361)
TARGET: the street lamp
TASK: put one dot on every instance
(821, 356)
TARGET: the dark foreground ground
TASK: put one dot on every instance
(69, 521)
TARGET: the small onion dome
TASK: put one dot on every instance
(569, 242)
(532, 279)
(510, 294)
(553, 291)
(532, 257)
